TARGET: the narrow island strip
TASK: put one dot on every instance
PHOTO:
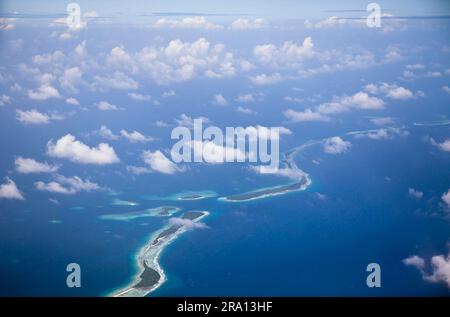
(162, 211)
(302, 184)
(151, 275)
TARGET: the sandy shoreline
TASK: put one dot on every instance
(148, 258)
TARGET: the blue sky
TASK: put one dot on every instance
(283, 9)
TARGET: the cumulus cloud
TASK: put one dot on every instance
(135, 136)
(219, 100)
(158, 162)
(443, 146)
(67, 185)
(44, 92)
(446, 89)
(415, 261)
(57, 57)
(161, 124)
(178, 61)
(245, 98)
(194, 22)
(246, 24)
(118, 80)
(334, 22)
(107, 133)
(4, 99)
(391, 91)
(9, 190)
(382, 121)
(380, 134)
(72, 101)
(187, 223)
(139, 97)
(293, 99)
(263, 79)
(187, 121)
(289, 172)
(167, 94)
(359, 100)
(336, 145)
(71, 78)
(446, 199)
(35, 117)
(440, 268)
(414, 193)
(245, 110)
(106, 106)
(138, 170)
(69, 148)
(290, 54)
(28, 165)
(304, 116)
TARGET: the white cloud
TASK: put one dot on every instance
(446, 198)
(391, 91)
(219, 100)
(246, 24)
(415, 66)
(336, 145)
(334, 22)
(440, 268)
(28, 165)
(69, 148)
(187, 223)
(70, 79)
(117, 80)
(138, 170)
(263, 79)
(360, 100)
(80, 49)
(289, 55)
(158, 162)
(186, 121)
(382, 121)
(415, 261)
(289, 172)
(414, 193)
(35, 117)
(380, 134)
(4, 99)
(194, 22)
(245, 110)
(135, 136)
(9, 190)
(293, 99)
(107, 133)
(245, 98)
(443, 146)
(44, 92)
(139, 97)
(57, 57)
(169, 93)
(446, 89)
(304, 116)
(67, 185)
(72, 101)
(106, 106)
(178, 61)
(161, 124)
